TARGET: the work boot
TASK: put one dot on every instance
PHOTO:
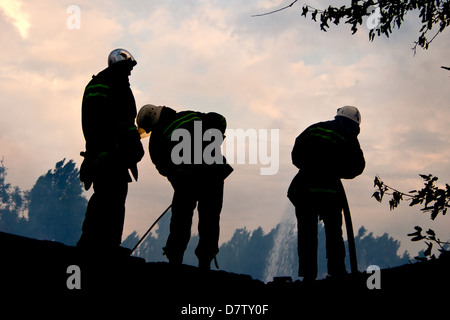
(122, 252)
(204, 265)
(175, 259)
(308, 280)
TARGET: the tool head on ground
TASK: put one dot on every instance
(349, 112)
(147, 117)
(119, 55)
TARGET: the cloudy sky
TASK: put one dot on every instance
(273, 72)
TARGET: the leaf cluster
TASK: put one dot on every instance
(430, 236)
(433, 13)
(434, 199)
(383, 189)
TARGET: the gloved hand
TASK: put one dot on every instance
(86, 174)
(138, 152)
(130, 149)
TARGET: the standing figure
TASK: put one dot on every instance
(113, 147)
(324, 153)
(196, 169)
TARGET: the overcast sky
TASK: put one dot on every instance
(273, 72)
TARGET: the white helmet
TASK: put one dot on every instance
(349, 112)
(118, 55)
(148, 116)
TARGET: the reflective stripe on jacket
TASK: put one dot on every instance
(324, 153)
(161, 144)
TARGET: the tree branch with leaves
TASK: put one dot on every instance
(435, 200)
(389, 14)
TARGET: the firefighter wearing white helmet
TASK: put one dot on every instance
(147, 117)
(324, 153)
(113, 148)
(196, 183)
(350, 112)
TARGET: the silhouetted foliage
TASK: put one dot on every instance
(13, 204)
(55, 206)
(434, 199)
(380, 251)
(247, 252)
(387, 15)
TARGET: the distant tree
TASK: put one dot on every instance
(13, 205)
(151, 247)
(232, 254)
(57, 205)
(381, 251)
(383, 16)
(247, 252)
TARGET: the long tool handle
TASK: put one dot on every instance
(149, 229)
(350, 235)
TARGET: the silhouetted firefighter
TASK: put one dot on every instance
(113, 147)
(324, 153)
(196, 169)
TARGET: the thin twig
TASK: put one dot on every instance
(439, 242)
(428, 42)
(402, 193)
(395, 190)
(278, 10)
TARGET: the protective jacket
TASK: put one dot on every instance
(161, 145)
(108, 122)
(325, 153)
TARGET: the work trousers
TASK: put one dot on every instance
(105, 215)
(307, 218)
(207, 196)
